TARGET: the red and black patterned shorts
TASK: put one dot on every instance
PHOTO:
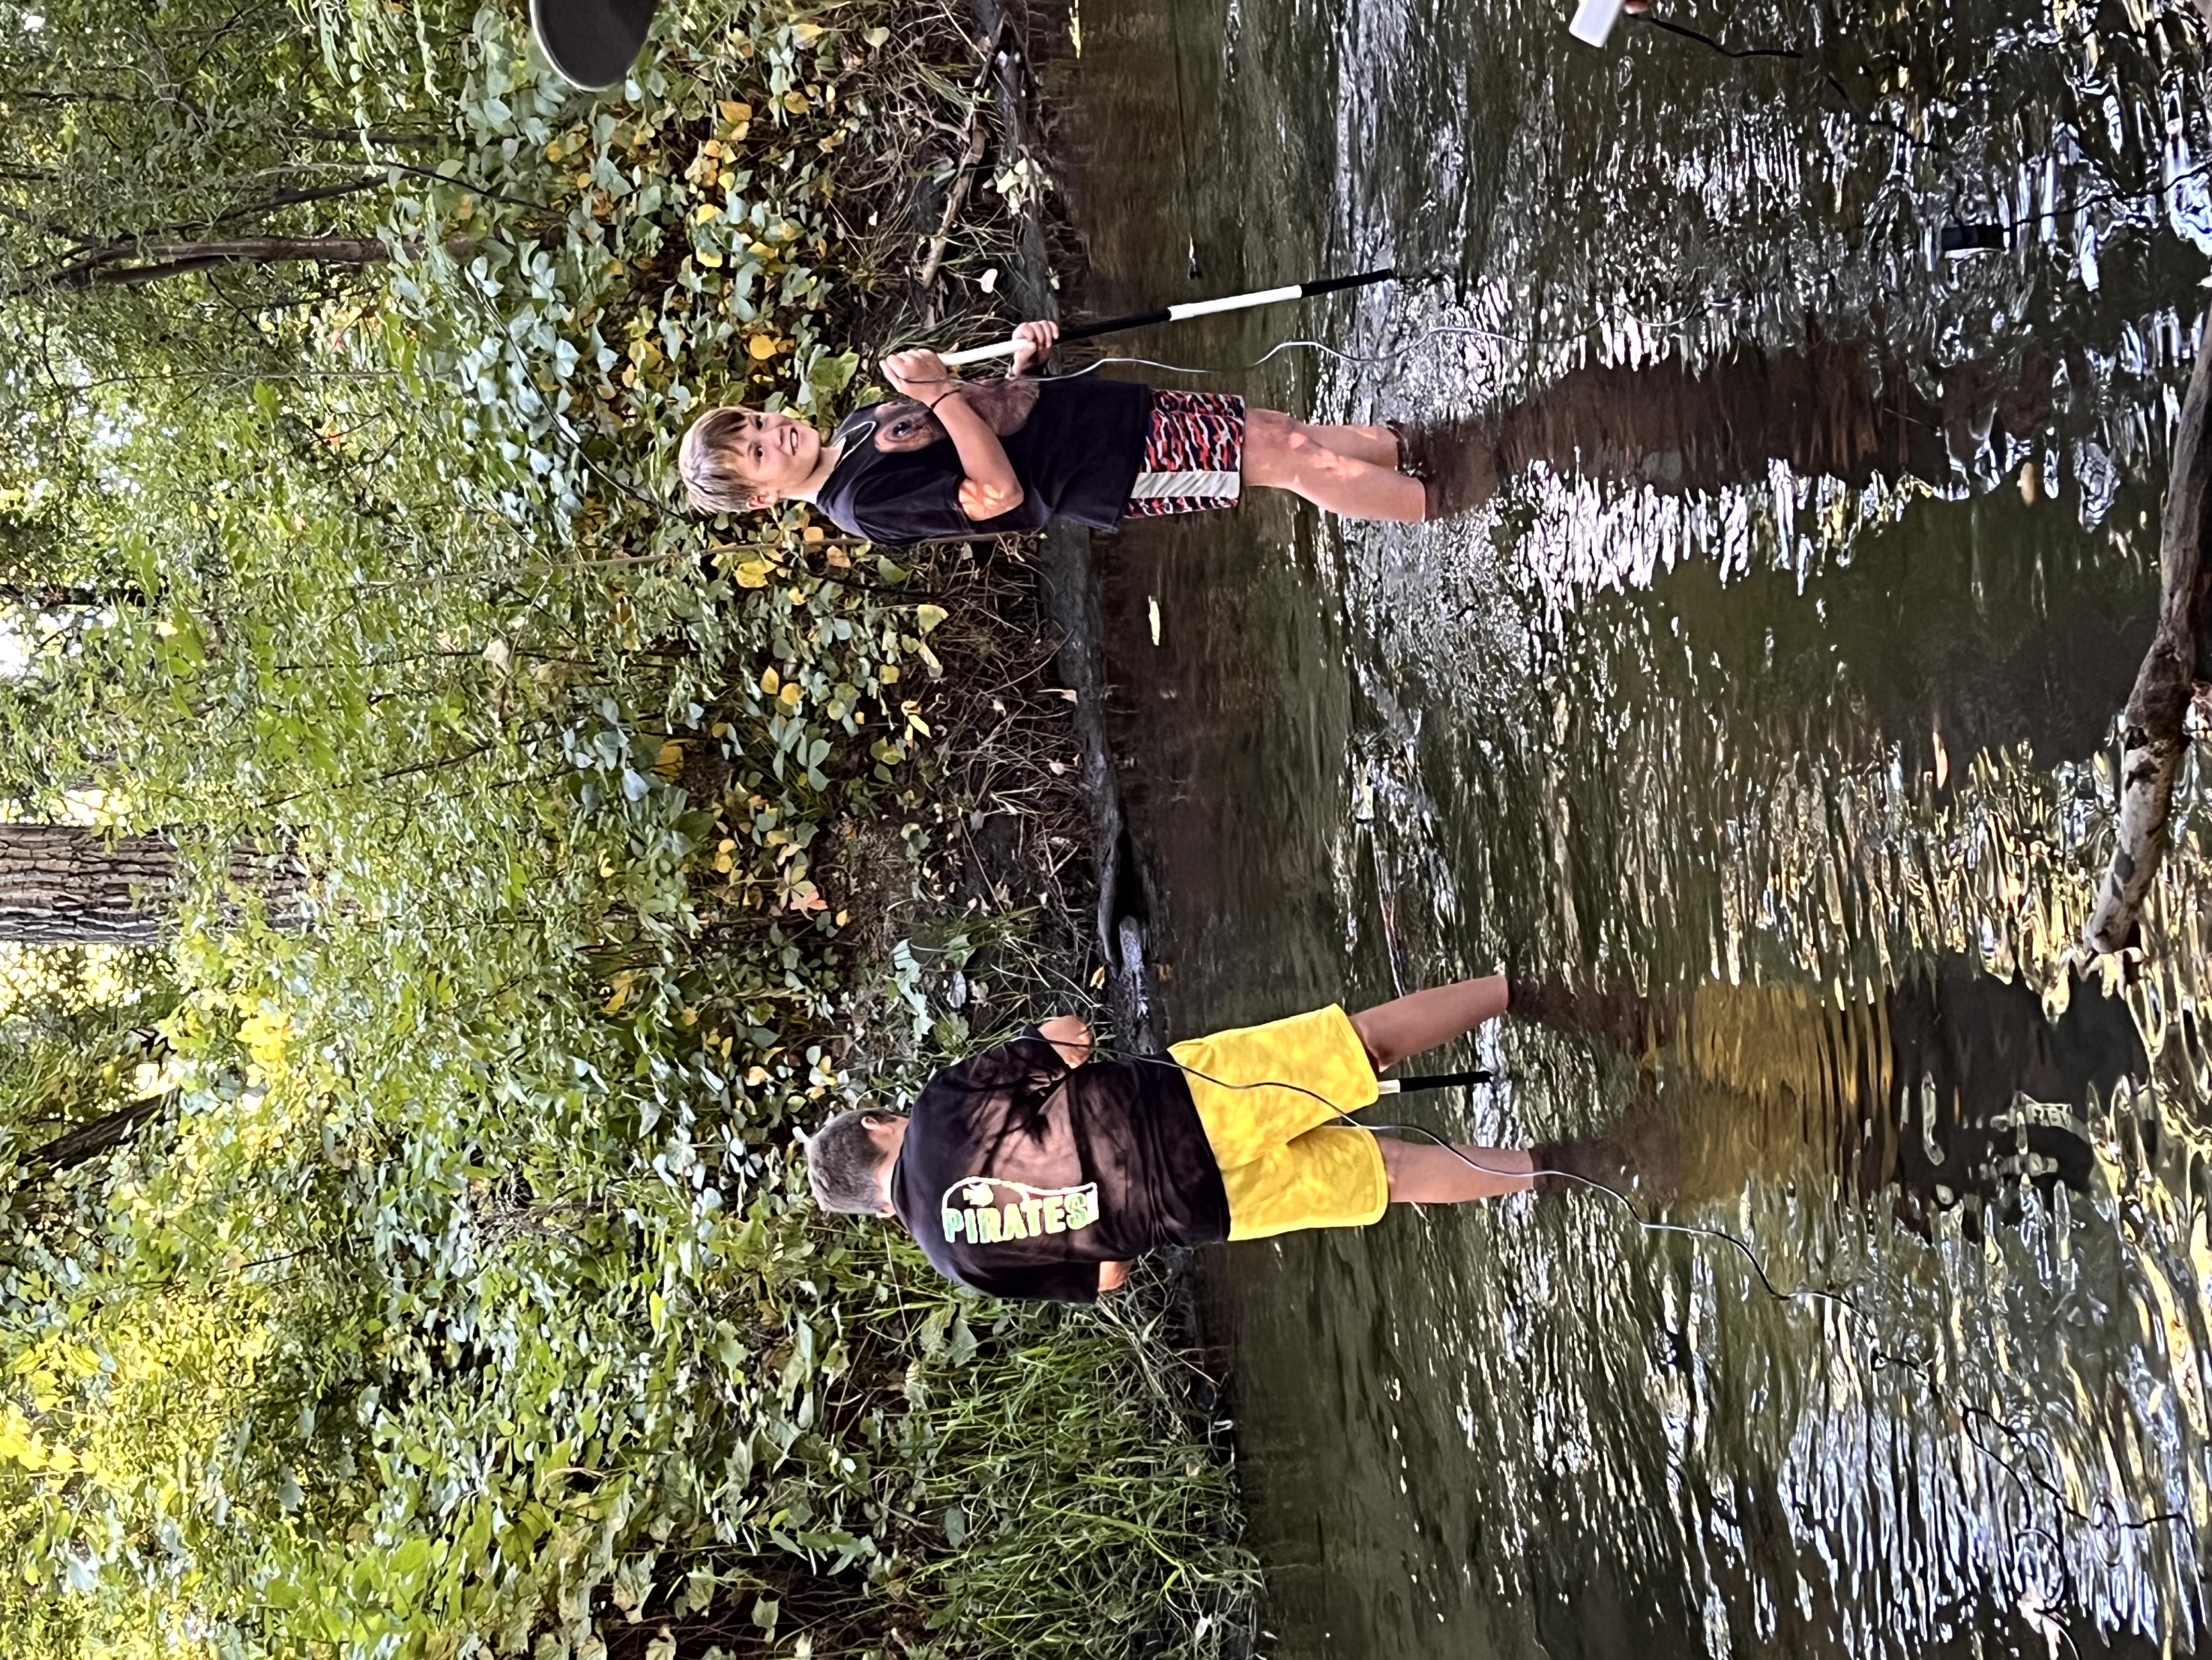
(1194, 454)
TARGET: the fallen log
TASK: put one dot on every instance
(2152, 739)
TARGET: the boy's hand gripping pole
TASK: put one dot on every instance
(1182, 312)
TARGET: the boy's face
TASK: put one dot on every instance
(776, 454)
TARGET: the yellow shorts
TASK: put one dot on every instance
(1287, 1161)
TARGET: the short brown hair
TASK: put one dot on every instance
(845, 1163)
(707, 461)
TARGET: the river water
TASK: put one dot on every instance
(1768, 698)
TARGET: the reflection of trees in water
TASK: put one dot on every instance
(1754, 767)
(1948, 1085)
(1961, 627)
(2085, 1335)
(1719, 203)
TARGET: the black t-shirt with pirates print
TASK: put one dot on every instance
(1076, 446)
(1020, 1175)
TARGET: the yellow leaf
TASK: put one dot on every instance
(753, 573)
(689, 1017)
(761, 346)
(791, 695)
(795, 101)
(703, 212)
(670, 761)
(622, 983)
(888, 674)
(928, 616)
(734, 112)
(840, 558)
(711, 261)
(770, 681)
(808, 34)
(811, 534)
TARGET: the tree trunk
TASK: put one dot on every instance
(134, 265)
(2152, 741)
(107, 268)
(65, 884)
(62, 885)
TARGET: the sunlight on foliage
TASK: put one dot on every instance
(455, 1288)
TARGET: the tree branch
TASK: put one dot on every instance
(2152, 742)
(88, 1140)
(107, 268)
(292, 199)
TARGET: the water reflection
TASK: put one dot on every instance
(1765, 700)
(1950, 1087)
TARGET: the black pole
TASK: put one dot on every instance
(1442, 1080)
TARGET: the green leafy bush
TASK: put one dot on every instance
(464, 1297)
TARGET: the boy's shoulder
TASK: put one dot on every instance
(1022, 1058)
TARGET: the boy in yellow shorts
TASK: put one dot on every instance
(1036, 1170)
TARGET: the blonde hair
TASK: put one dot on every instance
(715, 478)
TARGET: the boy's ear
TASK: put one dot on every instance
(761, 500)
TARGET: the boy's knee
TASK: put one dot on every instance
(1363, 1027)
(1268, 429)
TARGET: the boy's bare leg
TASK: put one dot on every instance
(1282, 453)
(1378, 445)
(1423, 1174)
(1407, 1025)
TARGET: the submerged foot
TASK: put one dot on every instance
(1640, 1157)
(1456, 461)
(1637, 1022)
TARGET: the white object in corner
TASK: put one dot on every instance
(1594, 20)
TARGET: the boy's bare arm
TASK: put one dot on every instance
(990, 487)
(1112, 1276)
(1069, 1035)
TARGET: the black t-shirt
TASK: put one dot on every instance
(1077, 452)
(1019, 1175)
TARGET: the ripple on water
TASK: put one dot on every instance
(1769, 695)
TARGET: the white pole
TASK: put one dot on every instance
(979, 354)
(1234, 302)
(1181, 314)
